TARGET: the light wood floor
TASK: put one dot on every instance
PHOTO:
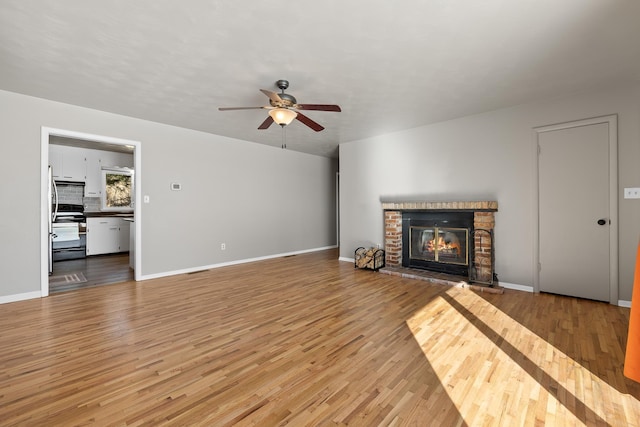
(309, 340)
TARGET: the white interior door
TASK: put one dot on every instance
(574, 211)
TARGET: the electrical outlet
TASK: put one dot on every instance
(223, 246)
(632, 193)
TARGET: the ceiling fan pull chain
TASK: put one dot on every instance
(284, 137)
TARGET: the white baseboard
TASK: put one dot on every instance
(345, 259)
(226, 264)
(20, 297)
(516, 287)
(621, 303)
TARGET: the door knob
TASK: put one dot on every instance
(602, 221)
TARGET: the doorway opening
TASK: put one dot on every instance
(101, 269)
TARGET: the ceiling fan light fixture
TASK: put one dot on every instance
(282, 116)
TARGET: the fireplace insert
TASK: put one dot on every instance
(437, 241)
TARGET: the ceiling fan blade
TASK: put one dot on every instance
(266, 123)
(319, 107)
(239, 108)
(272, 95)
(307, 121)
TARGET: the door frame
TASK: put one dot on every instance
(612, 121)
(45, 134)
(338, 209)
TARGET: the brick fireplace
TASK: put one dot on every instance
(479, 245)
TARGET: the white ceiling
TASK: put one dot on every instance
(389, 65)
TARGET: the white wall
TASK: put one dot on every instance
(441, 161)
(259, 200)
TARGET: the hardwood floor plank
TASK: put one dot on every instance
(309, 340)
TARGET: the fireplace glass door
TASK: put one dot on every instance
(439, 244)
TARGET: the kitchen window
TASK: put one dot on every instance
(117, 189)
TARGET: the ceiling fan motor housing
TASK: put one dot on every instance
(287, 101)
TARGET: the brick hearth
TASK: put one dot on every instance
(483, 218)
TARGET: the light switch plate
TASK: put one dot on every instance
(632, 193)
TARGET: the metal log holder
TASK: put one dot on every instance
(371, 258)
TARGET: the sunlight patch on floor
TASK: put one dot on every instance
(487, 361)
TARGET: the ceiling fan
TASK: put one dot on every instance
(284, 108)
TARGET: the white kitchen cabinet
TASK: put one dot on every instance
(92, 187)
(74, 165)
(107, 235)
(67, 163)
(55, 161)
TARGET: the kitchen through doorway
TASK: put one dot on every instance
(98, 264)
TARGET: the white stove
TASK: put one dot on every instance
(68, 233)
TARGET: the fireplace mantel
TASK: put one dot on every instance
(480, 206)
(483, 219)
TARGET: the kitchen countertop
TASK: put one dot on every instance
(104, 214)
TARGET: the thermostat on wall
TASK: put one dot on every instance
(176, 186)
